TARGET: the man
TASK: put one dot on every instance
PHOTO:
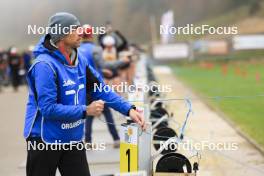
(3, 67)
(120, 41)
(91, 50)
(59, 81)
(15, 64)
(94, 55)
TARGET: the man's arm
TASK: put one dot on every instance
(114, 101)
(101, 64)
(46, 89)
(110, 98)
(123, 45)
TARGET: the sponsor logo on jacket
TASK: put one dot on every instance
(68, 83)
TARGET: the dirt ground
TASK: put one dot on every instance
(13, 146)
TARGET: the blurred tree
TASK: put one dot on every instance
(131, 17)
(255, 7)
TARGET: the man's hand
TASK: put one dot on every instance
(95, 108)
(107, 73)
(138, 118)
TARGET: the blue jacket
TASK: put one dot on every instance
(57, 95)
(86, 49)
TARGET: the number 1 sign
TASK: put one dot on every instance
(129, 148)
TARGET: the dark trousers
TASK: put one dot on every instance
(45, 162)
(110, 124)
(15, 78)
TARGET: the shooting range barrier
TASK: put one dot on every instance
(247, 42)
(147, 152)
(188, 50)
(173, 51)
(215, 47)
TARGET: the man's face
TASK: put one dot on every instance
(73, 39)
(108, 47)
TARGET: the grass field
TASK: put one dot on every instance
(238, 78)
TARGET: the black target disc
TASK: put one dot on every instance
(162, 134)
(174, 163)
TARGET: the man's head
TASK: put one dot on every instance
(66, 33)
(108, 42)
(87, 33)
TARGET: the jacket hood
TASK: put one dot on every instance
(44, 47)
(40, 48)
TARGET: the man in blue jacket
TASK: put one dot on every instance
(59, 81)
(93, 54)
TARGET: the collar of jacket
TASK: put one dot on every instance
(45, 46)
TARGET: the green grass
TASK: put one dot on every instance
(247, 113)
